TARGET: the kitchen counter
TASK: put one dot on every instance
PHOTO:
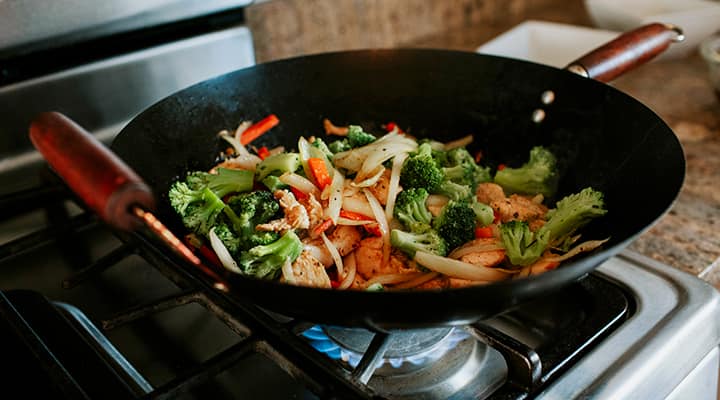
(678, 90)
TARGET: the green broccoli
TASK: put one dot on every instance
(460, 167)
(266, 261)
(224, 182)
(273, 183)
(322, 146)
(245, 211)
(420, 170)
(573, 212)
(198, 208)
(484, 214)
(411, 210)
(455, 224)
(409, 242)
(228, 237)
(454, 191)
(538, 175)
(355, 137)
(281, 162)
(522, 246)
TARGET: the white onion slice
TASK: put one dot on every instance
(335, 196)
(458, 269)
(350, 270)
(334, 253)
(582, 247)
(428, 276)
(300, 183)
(392, 279)
(476, 246)
(372, 180)
(222, 252)
(352, 222)
(287, 272)
(379, 214)
(357, 205)
(462, 142)
(394, 185)
(242, 127)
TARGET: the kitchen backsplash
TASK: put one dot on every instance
(286, 28)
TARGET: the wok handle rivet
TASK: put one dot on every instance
(547, 97)
(538, 115)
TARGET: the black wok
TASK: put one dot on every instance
(603, 138)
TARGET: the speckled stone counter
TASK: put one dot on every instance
(678, 90)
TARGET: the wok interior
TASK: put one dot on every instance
(602, 137)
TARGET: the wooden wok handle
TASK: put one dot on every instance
(101, 179)
(626, 52)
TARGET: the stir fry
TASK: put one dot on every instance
(352, 210)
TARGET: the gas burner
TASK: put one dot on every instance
(423, 363)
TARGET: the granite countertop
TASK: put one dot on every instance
(679, 91)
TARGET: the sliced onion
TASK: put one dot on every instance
(394, 185)
(358, 205)
(334, 253)
(458, 269)
(300, 183)
(371, 180)
(462, 142)
(351, 268)
(428, 276)
(304, 151)
(335, 196)
(392, 279)
(379, 215)
(222, 252)
(242, 127)
(287, 272)
(476, 246)
(582, 247)
(321, 253)
(353, 222)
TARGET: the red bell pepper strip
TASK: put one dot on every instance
(355, 216)
(258, 129)
(483, 232)
(319, 171)
(263, 152)
(501, 167)
(298, 194)
(322, 227)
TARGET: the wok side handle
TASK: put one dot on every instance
(102, 181)
(627, 51)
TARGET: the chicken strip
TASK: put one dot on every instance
(296, 216)
(368, 257)
(515, 207)
(344, 238)
(308, 271)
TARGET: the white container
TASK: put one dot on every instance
(698, 19)
(547, 43)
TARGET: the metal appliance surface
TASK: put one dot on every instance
(168, 338)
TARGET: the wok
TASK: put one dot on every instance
(603, 138)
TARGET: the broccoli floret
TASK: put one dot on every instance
(322, 146)
(265, 261)
(274, 183)
(454, 191)
(409, 242)
(356, 137)
(224, 182)
(339, 146)
(198, 208)
(538, 175)
(411, 210)
(573, 212)
(460, 167)
(522, 246)
(484, 214)
(455, 224)
(420, 170)
(245, 211)
(277, 163)
(228, 237)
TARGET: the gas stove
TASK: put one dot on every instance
(94, 313)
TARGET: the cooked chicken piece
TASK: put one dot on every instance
(513, 207)
(435, 203)
(484, 258)
(369, 260)
(308, 271)
(345, 238)
(314, 210)
(461, 283)
(380, 188)
(488, 192)
(296, 217)
(441, 282)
